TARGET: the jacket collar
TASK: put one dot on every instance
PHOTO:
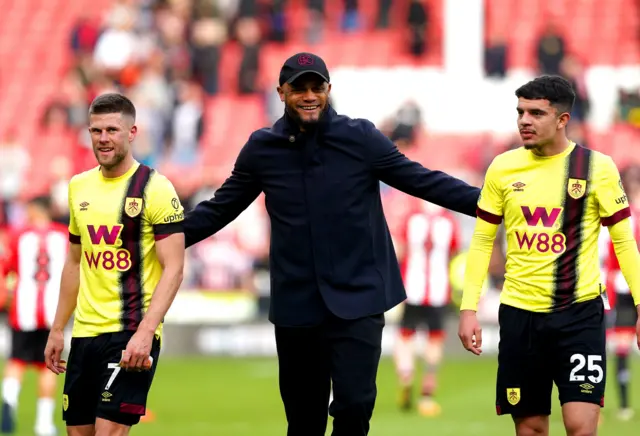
(291, 127)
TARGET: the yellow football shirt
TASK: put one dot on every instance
(552, 209)
(117, 221)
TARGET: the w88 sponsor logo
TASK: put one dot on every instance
(111, 256)
(541, 241)
(119, 259)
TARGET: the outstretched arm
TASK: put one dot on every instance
(234, 196)
(395, 169)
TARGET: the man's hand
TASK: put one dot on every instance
(53, 352)
(136, 356)
(469, 332)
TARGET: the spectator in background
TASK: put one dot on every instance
(150, 143)
(187, 124)
(13, 166)
(76, 98)
(55, 117)
(84, 35)
(551, 51)
(248, 9)
(407, 121)
(495, 56)
(172, 32)
(209, 32)
(316, 20)
(573, 71)
(351, 17)
(59, 193)
(154, 102)
(277, 21)
(384, 14)
(116, 46)
(418, 22)
(248, 32)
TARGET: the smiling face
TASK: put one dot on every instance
(306, 98)
(111, 137)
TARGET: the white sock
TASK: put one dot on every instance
(11, 391)
(44, 414)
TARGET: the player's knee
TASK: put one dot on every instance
(581, 419)
(577, 426)
(532, 426)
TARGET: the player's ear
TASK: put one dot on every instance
(280, 93)
(133, 132)
(563, 120)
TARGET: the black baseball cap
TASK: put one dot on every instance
(300, 64)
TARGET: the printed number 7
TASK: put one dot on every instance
(116, 369)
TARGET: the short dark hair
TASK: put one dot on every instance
(556, 89)
(112, 104)
(42, 201)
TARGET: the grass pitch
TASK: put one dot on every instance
(239, 397)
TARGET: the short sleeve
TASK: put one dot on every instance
(163, 208)
(74, 231)
(490, 203)
(612, 200)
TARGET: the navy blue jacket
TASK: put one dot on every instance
(330, 244)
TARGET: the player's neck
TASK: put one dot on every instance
(119, 170)
(554, 148)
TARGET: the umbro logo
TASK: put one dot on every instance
(587, 388)
(518, 186)
(84, 205)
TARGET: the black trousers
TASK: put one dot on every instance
(343, 352)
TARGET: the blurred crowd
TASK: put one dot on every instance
(168, 57)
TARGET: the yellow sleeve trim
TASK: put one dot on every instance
(477, 263)
(626, 250)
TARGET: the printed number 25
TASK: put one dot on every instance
(593, 365)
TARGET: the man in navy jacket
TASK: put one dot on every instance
(333, 268)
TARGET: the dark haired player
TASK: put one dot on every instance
(124, 268)
(553, 195)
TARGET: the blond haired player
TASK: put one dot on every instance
(123, 270)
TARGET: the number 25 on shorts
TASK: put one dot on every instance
(593, 366)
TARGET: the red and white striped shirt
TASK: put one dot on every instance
(430, 236)
(37, 256)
